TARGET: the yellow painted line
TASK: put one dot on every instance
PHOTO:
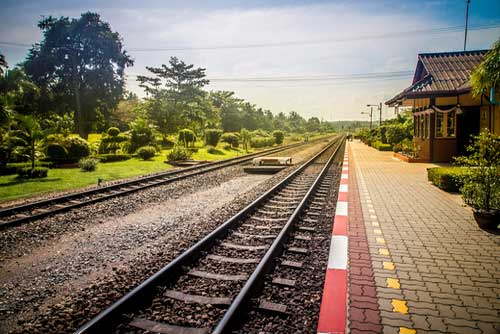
(393, 283)
(388, 265)
(377, 231)
(375, 224)
(404, 330)
(399, 306)
(380, 240)
(383, 251)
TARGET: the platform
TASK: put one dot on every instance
(417, 262)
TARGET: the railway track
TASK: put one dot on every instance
(207, 288)
(17, 215)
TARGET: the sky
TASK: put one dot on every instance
(303, 54)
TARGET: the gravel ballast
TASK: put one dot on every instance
(58, 272)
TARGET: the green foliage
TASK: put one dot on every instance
(187, 137)
(88, 164)
(481, 188)
(259, 142)
(32, 173)
(56, 152)
(111, 144)
(85, 48)
(141, 134)
(230, 138)
(279, 136)
(146, 152)
(113, 131)
(212, 136)
(77, 148)
(447, 178)
(246, 137)
(396, 133)
(179, 153)
(487, 74)
(381, 146)
(112, 157)
(27, 138)
(227, 147)
(211, 149)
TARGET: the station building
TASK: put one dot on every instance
(445, 112)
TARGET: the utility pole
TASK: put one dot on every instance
(380, 110)
(371, 114)
(466, 24)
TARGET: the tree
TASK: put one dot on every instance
(487, 75)
(28, 135)
(313, 124)
(176, 93)
(3, 64)
(82, 61)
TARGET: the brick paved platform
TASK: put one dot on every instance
(418, 263)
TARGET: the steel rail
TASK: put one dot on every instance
(254, 282)
(136, 184)
(105, 320)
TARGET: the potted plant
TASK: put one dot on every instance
(481, 183)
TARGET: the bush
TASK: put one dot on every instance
(259, 142)
(380, 146)
(179, 153)
(192, 149)
(396, 133)
(230, 138)
(141, 134)
(35, 173)
(77, 148)
(56, 152)
(212, 136)
(146, 152)
(227, 147)
(446, 178)
(113, 132)
(167, 143)
(113, 157)
(187, 137)
(111, 144)
(278, 136)
(87, 164)
(212, 150)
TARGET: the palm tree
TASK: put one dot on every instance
(487, 75)
(28, 137)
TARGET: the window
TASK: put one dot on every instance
(450, 124)
(445, 124)
(439, 124)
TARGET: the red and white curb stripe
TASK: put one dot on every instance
(333, 312)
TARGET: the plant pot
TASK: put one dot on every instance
(487, 220)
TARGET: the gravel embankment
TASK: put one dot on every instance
(58, 272)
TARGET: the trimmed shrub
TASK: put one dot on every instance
(111, 144)
(227, 147)
(113, 157)
(211, 149)
(187, 137)
(56, 152)
(192, 149)
(259, 142)
(447, 178)
(88, 164)
(146, 152)
(179, 153)
(113, 132)
(380, 146)
(279, 136)
(212, 136)
(230, 138)
(77, 148)
(32, 173)
(167, 143)
(141, 134)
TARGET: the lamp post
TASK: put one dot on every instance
(370, 113)
(379, 106)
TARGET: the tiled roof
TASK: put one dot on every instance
(442, 73)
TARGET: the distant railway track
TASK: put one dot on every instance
(20, 214)
(207, 288)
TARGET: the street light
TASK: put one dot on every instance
(379, 106)
(370, 113)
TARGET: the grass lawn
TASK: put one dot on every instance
(60, 179)
(70, 178)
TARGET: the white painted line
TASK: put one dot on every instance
(344, 176)
(341, 209)
(343, 188)
(345, 168)
(338, 252)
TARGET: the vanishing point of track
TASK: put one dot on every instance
(209, 287)
(17, 215)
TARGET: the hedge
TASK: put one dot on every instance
(380, 146)
(446, 178)
(113, 157)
